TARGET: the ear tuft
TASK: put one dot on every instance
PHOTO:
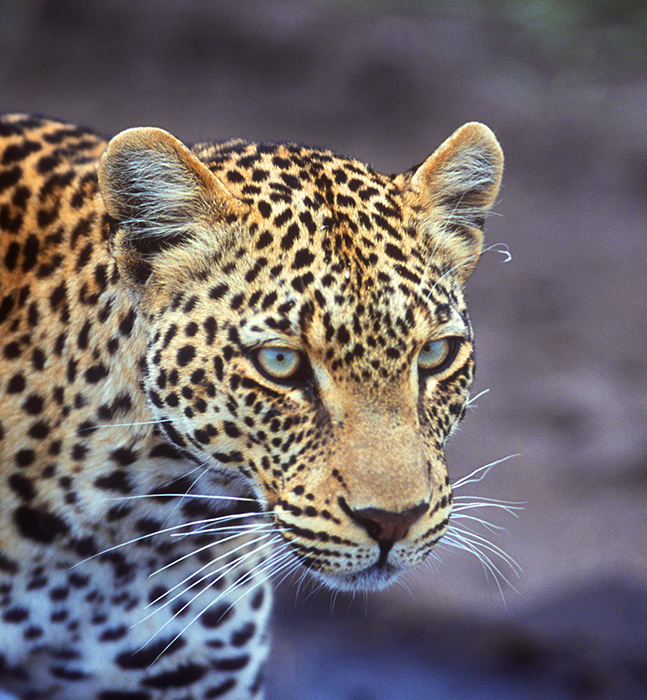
(460, 182)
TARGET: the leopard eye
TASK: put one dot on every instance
(437, 355)
(281, 364)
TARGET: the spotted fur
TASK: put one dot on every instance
(217, 363)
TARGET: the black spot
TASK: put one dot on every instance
(216, 615)
(33, 405)
(82, 229)
(407, 274)
(59, 593)
(16, 384)
(20, 151)
(15, 615)
(59, 344)
(265, 209)
(84, 334)
(343, 335)
(173, 435)
(210, 327)
(258, 599)
(11, 258)
(114, 634)
(6, 306)
(78, 580)
(9, 178)
(32, 633)
(33, 316)
(123, 456)
(123, 695)
(264, 240)
(96, 373)
(22, 486)
(84, 255)
(127, 322)
(25, 457)
(57, 296)
(218, 291)
(67, 674)
(237, 301)
(166, 451)
(39, 525)
(7, 564)
(233, 664)
(115, 481)
(231, 429)
(38, 359)
(303, 258)
(300, 283)
(79, 451)
(394, 252)
(85, 547)
(290, 237)
(143, 658)
(219, 690)
(180, 677)
(118, 512)
(269, 300)
(240, 637)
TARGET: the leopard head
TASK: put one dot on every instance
(307, 335)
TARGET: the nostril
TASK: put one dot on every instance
(383, 525)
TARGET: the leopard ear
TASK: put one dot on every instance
(459, 182)
(165, 203)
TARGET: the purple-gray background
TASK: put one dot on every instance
(561, 329)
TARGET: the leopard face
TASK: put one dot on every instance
(307, 332)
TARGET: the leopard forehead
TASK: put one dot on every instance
(299, 195)
(336, 262)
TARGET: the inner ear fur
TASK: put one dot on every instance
(454, 189)
(164, 202)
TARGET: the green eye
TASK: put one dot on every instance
(280, 363)
(436, 355)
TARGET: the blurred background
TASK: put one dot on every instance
(561, 328)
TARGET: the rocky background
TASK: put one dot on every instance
(561, 328)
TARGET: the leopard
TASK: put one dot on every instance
(222, 365)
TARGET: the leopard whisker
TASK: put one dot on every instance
(134, 424)
(476, 397)
(202, 497)
(501, 248)
(186, 584)
(511, 507)
(163, 531)
(193, 552)
(479, 474)
(240, 529)
(484, 550)
(244, 579)
(296, 567)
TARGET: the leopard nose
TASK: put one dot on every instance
(383, 525)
